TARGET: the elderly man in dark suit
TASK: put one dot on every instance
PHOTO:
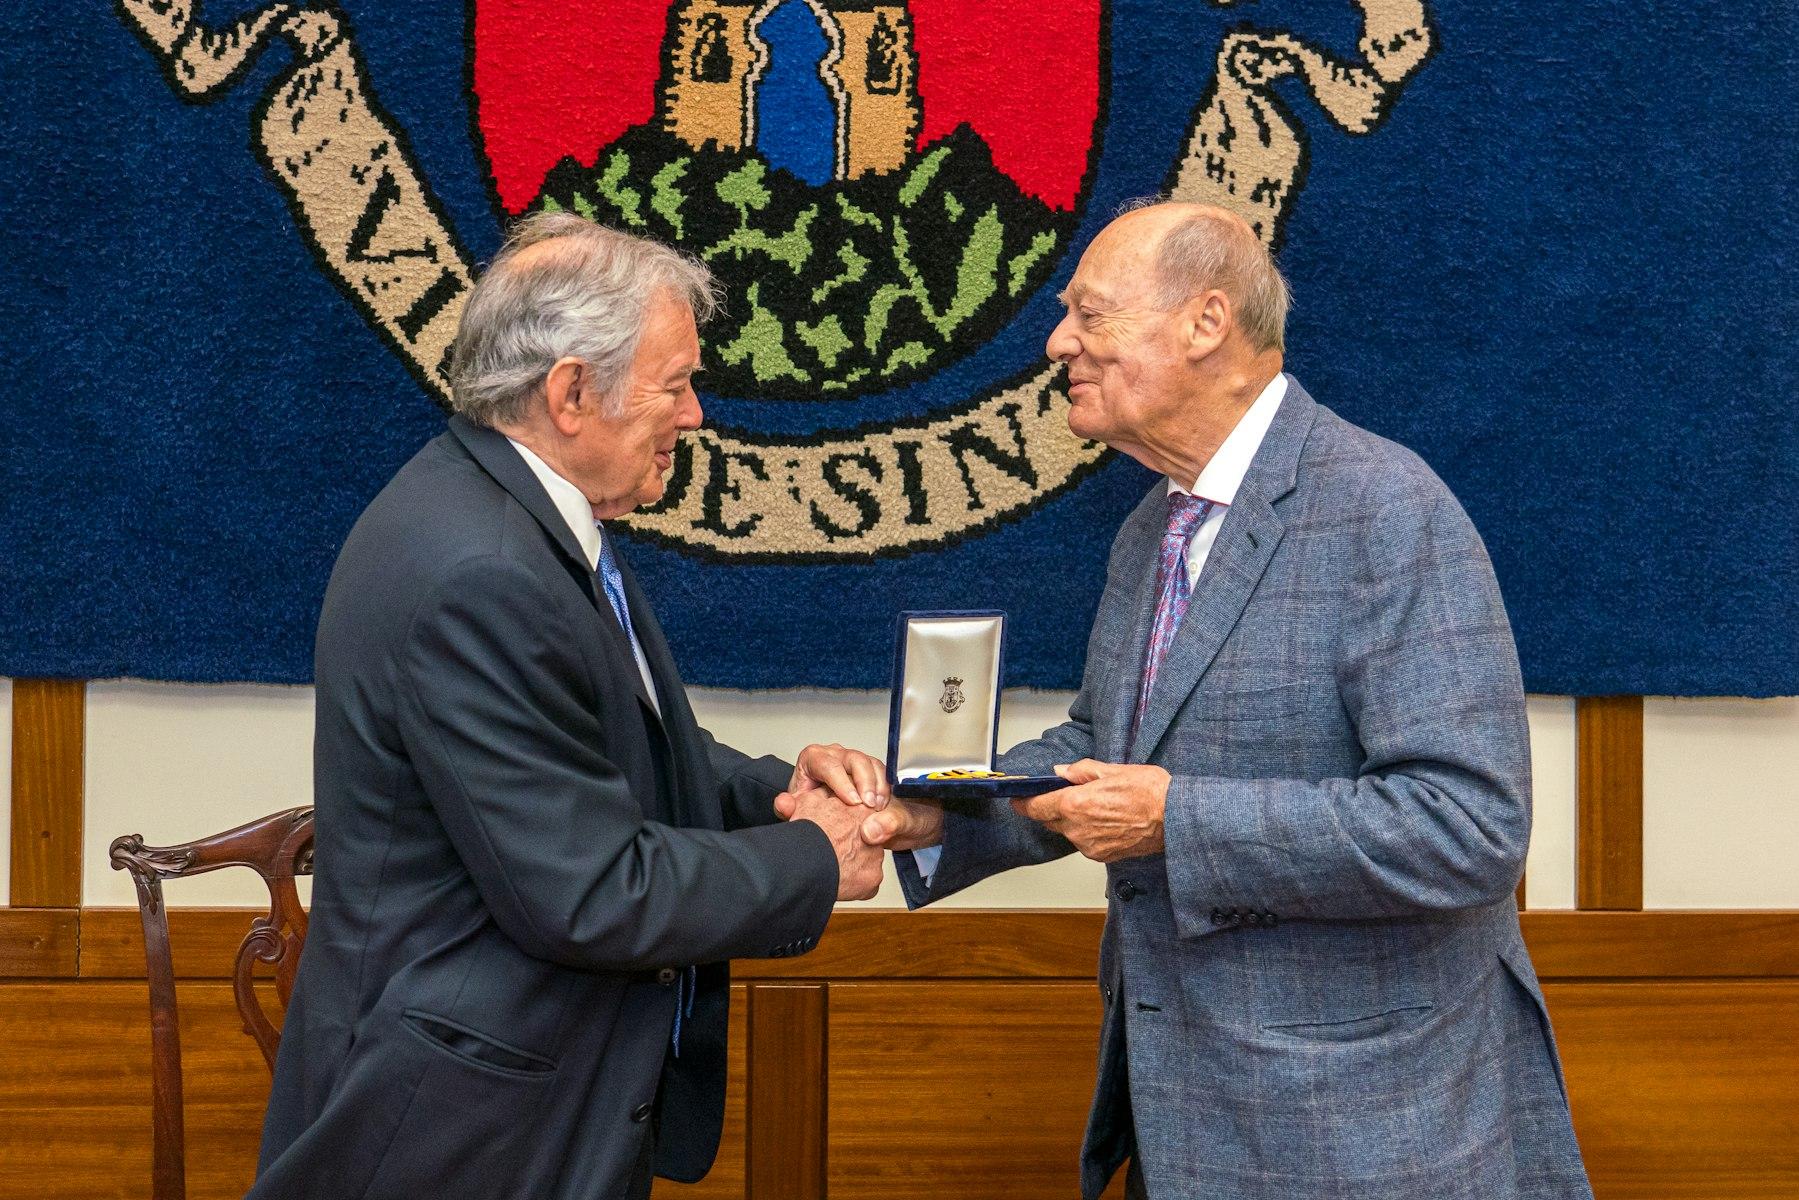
(532, 864)
(1300, 748)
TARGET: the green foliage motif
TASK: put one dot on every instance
(849, 286)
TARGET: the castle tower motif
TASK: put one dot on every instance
(715, 58)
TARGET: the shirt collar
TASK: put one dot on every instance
(568, 501)
(1220, 478)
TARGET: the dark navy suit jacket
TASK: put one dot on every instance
(516, 856)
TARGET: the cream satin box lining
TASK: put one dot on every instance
(948, 669)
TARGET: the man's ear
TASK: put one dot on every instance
(563, 395)
(1206, 320)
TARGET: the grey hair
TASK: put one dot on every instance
(588, 297)
(1211, 250)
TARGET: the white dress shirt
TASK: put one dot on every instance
(579, 514)
(1218, 482)
(1220, 478)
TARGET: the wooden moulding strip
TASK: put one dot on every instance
(1609, 799)
(48, 731)
(1064, 944)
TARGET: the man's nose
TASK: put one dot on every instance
(690, 415)
(1063, 344)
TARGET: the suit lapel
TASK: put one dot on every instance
(1142, 541)
(496, 456)
(1246, 543)
(680, 728)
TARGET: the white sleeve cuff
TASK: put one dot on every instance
(925, 859)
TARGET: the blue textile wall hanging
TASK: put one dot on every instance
(1544, 245)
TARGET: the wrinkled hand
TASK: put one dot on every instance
(1111, 811)
(901, 825)
(858, 863)
(904, 825)
(850, 775)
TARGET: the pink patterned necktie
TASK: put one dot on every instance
(1185, 515)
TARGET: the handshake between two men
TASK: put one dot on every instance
(1108, 812)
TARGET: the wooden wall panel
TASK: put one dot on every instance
(1608, 839)
(1683, 1090)
(75, 1095)
(787, 1090)
(49, 733)
(39, 942)
(973, 1090)
(75, 1091)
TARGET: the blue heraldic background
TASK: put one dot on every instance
(1558, 271)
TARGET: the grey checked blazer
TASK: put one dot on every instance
(1320, 989)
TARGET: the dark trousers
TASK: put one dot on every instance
(1134, 1187)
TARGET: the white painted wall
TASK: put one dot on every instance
(1549, 868)
(5, 790)
(175, 762)
(1721, 779)
(1721, 803)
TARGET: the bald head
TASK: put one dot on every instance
(1194, 248)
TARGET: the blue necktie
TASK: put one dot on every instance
(613, 584)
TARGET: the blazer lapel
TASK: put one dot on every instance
(676, 716)
(496, 456)
(1246, 544)
(1143, 539)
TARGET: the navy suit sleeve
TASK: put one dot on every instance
(1438, 817)
(747, 786)
(498, 720)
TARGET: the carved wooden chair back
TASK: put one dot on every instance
(279, 848)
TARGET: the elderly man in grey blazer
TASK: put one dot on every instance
(1300, 748)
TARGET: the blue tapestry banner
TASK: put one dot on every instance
(1543, 245)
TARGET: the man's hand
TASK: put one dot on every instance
(850, 775)
(901, 825)
(1111, 812)
(904, 825)
(858, 863)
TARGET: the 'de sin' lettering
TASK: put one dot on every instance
(881, 490)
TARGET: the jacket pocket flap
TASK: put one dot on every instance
(471, 1044)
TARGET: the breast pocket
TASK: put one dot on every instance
(1268, 702)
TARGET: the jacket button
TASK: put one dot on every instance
(641, 1113)
(1217, 916)
(666, 976)
(1125, 891)
(1270, 920)
(1253, 919)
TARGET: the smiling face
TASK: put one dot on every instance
(621, 454)
(1127, 360)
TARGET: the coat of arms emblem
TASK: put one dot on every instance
(952, 697)
(884, 187)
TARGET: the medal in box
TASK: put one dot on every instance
(948, 668)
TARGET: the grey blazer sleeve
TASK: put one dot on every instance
(1438, 816)
(497, 718)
